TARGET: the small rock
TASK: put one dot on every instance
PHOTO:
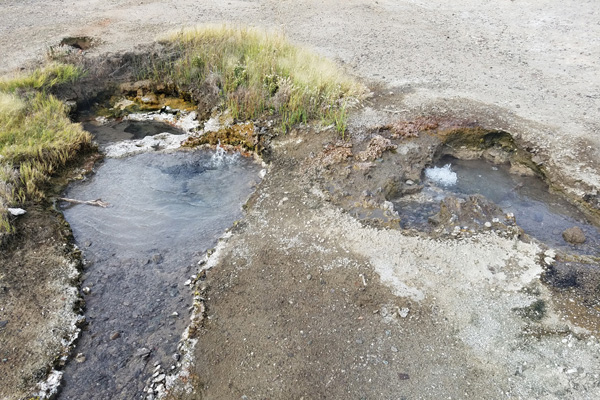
(574, 235)
(549, 260)
(159, 378)
(80, 357)
(3, 324)
(394, 349)
(572, 371)
(16, 211)
(86, 290)
(176, 356)
(188, 282)
(142, 352)
(403, 312)
(488, 224)
(175, 314)
(115, 335)
(409, 182)
(550, 253)
(309, 277)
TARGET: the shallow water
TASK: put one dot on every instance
(165, 211)
(541, 214)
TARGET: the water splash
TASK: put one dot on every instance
(221, 158)
(442, 175)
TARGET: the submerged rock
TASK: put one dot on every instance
(473, 214)
(574, 235)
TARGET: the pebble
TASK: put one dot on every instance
(550, 253)
(309, 277)
(16, 211)
(142, 352)
(572, 371)
(176, 356)
(86, 290)
(80, 357)
(115, 335)
(409, 182)
(574, 235)
(549, 260)
(403, 312)
(175, 314)
(394, 349)
(159, 378)
(488, 224)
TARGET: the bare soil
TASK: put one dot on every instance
(472, 327)
(39, 301)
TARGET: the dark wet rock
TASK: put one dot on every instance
(574, 235)
(396, 187)
(3, 324)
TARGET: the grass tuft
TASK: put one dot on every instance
(258, 72)
(42, 78)
(36, 136)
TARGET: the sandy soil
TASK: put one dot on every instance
(529, 67)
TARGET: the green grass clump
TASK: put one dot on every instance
(42, 78)
(257, 72)
(36, 136)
